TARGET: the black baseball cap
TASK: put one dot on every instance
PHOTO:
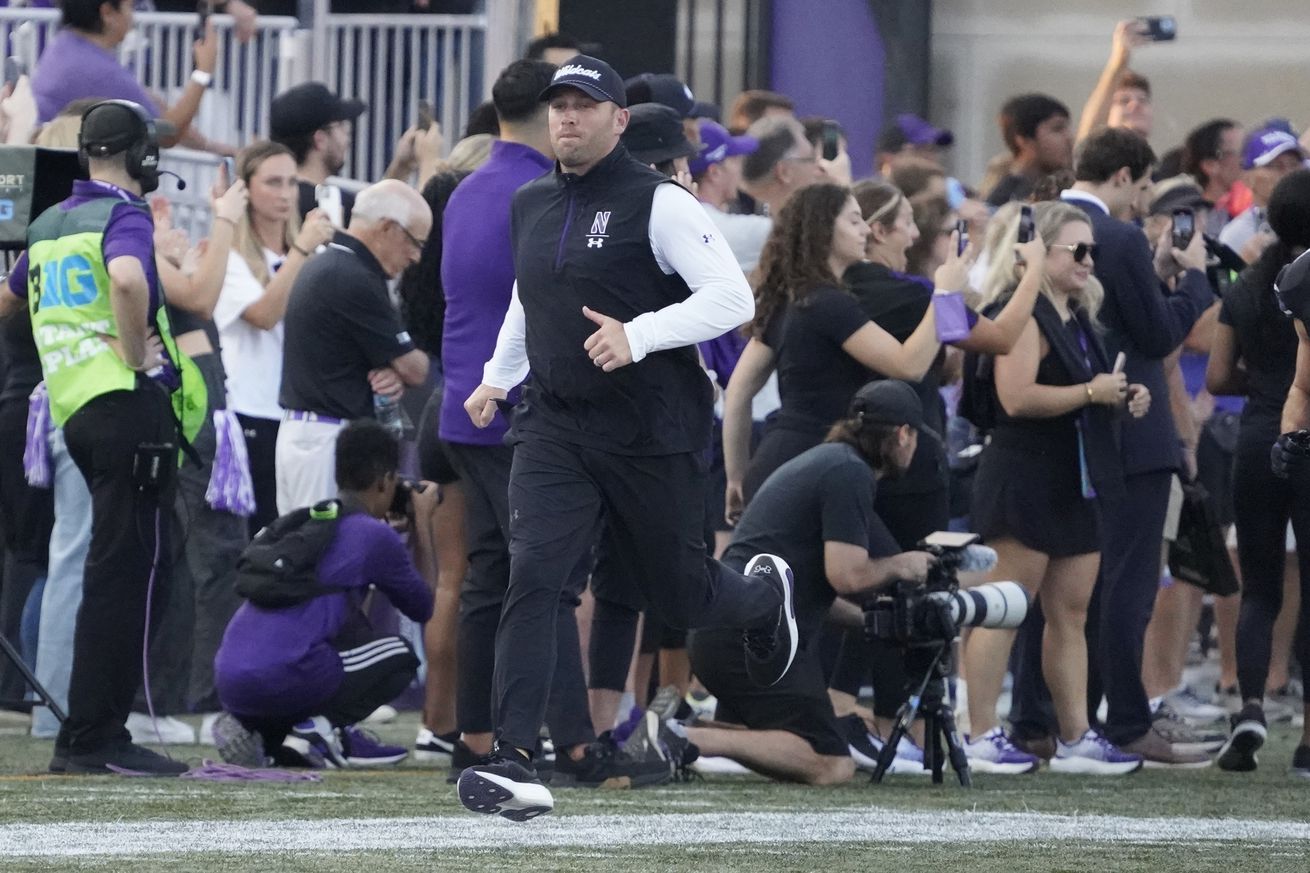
(663, 88)
(113, 126)
(655, 134)
(309, 107)
(888, 401)
(591, 76)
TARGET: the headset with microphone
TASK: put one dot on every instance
(142, 153)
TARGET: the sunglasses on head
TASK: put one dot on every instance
(1079, 251)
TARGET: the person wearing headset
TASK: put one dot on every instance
(126, 399)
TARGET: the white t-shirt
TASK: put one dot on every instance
(252, 357)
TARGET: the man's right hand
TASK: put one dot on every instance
(913, 566)
(481, 404)
(1192, 257)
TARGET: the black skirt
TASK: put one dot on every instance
(1030, 489)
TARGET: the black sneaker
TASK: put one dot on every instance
(460, 760)
(1248, 735)
(1301, 761)
(432, 748)
(604, 765)
(59, 760)
(505, 785)
(126, 756)
(770, 650)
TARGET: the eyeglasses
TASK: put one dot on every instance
(1079, 251)
(803, 159)
(413, 240)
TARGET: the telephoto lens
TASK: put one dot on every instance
(993, 604)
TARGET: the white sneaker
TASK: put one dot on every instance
(206, 735)
(994, 753)
(384, 714)
(1189, 705)
(1093, 755)
(433, 748)
(171, 731)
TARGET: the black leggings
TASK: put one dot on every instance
(1263, 504)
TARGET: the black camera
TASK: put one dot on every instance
(402, 500)
(916, 614)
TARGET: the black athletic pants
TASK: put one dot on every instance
(376, 672)
(128, 528)
(654, 509)
(1264, 503)
(484, 473)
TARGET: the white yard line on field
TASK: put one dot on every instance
(599, 831)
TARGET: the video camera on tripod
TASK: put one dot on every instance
(917, 614)
(924, 619)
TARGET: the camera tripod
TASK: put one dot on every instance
(11, 653)
(929, 697)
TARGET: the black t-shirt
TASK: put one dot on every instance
(823, 495)
(308, 202)
(816, 377)
(1008, 189)
(1266, 341)
(339, 325)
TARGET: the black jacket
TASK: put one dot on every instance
(1146, 322)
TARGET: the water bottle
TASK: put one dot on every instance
(386, 409)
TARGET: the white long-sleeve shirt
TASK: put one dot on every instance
(684, 241)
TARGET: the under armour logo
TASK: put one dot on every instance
(595, 243)
(599, 223)
(707, 238)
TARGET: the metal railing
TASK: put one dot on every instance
(389, 62)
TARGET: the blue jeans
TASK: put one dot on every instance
(69, 542)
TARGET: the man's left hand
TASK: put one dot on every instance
(608, 347)
(386, 381)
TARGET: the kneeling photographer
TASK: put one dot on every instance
(818, 510)
(300, 664)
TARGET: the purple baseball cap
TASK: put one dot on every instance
(1264, 145)
(909, 129)
(717, 145)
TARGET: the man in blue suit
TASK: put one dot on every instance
(1151, 303)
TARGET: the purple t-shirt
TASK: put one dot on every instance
(477, 273)
(73, 68)
(130, 233)
(277, 663)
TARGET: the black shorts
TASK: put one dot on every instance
(433, 464)
(798, 704)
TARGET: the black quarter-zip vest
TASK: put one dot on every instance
(585, 241)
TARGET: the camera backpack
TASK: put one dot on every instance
(280, 566)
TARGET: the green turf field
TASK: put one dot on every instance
(408, 819)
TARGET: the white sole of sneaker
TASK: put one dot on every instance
(489, 793)
(385, 761)
(1190, 765)
(1092, 767)
(788, 607)
(1206, 748)
(305, 749)
(430, 756)
(982, 765)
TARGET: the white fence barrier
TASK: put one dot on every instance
(389, 62)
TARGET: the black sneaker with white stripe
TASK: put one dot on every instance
(504, 784)
(770, 650)
(434, 748)
(1248, 735)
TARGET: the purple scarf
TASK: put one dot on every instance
(230, 488)
(36, 453)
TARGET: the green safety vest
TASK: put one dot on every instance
(68, 295)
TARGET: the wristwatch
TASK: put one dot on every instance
(201, 78)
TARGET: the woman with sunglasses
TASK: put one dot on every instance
(1052, 453)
